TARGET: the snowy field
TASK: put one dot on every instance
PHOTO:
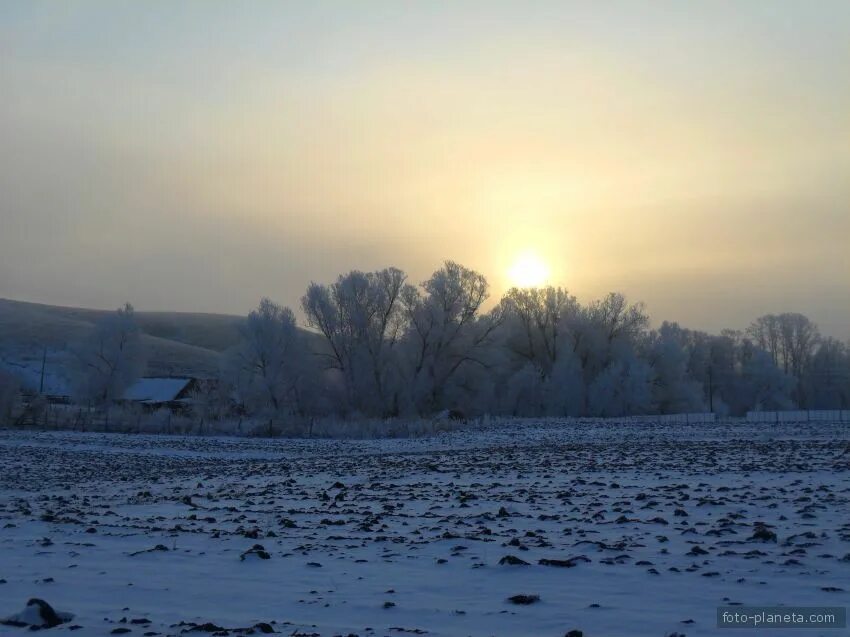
(619, 529)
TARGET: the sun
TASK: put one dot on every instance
(528, 271)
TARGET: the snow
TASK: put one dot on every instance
(423, 524)
(32, 615)
(27, 367)
(156, 390)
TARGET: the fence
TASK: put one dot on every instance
(812, 415)
(700, 418)
(41, 414)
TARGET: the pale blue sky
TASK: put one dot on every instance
(198, 155)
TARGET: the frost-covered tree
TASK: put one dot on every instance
(791, 340)
(800, 337)
(109, 359)
(623, 388)
(524, 393)
(828, 376)
(766, 334)
(534, 323)
(547, 377)
(447, 332)
(564, 391)
(558, 349)
(269, 367)
(604, 331)
(361, 320)
(712, 363)
(733, 372)
(618, 319)
(603, 334)
(769, 387)
(380, 346)
(674, 390)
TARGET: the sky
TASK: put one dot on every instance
(196, 156)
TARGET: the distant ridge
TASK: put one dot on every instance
(216, 332)
(187, 343)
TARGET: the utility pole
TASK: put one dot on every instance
(710, 390)
(43, 365)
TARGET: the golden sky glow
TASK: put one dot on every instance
(199, 155)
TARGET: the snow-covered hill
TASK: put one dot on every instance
(177, 343)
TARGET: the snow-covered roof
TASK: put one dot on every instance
(156, 390)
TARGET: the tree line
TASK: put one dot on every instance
(376, 345)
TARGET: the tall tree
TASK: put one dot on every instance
(674, 389)
(534, 316)
(446, 332)
(269, 366)
(110, 359)
(361, 320)
(623, 388)
(791, 340)
(768, 386)
(828, 376)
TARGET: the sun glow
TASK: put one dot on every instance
(528, 271)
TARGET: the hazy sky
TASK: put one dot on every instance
(199, 155)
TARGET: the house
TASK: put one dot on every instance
(162, 392)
